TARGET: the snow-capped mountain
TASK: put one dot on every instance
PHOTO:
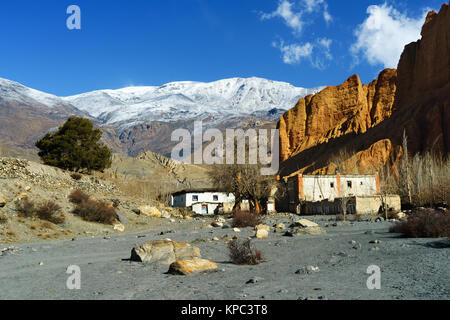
(139, 119)
(14, 91)
(189, 100)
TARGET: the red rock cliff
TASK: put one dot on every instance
(370, 119)
(337, 111)
(423, 94)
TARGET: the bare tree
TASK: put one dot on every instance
(420, 180)
(245, 182)
(404, 173)
(340, 158)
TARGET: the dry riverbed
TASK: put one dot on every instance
(328, 266)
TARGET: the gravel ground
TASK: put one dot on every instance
(410, 268)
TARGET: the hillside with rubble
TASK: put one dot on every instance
(23, 179)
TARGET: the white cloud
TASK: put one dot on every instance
(326, 15)
(382, 36)
(293, 53)
(322, 53)
(312, 5)
(291, 19)
(294, 19)
(296, 52)
(325, 43)
(317, 53)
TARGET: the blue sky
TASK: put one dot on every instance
(147, 42)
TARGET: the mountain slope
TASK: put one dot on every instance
(26, 114)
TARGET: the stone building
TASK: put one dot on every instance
(324, 194)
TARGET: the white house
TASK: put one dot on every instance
(202, 201)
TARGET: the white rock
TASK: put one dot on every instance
(119, 227)
(262, 234)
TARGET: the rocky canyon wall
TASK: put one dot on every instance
(368, 121)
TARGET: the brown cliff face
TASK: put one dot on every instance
(351, 108)
(369, 120)
(424, 85)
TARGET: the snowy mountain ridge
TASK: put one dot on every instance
(171, 102)
(188, 100)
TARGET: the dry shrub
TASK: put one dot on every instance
(3, 219)
(392, 215)
(77, 196)
(50, 211)
(420, 180)
(96, 211)
(186, 212)
(11, 233)
(137, 188)
(116, 203)
(76, 176)
(46, 236)
(33, 226)
(244, 253)
(164, 197)
(47, 225)
(26, 208)
(426, 223)
(243, 219)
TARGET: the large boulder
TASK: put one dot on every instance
(150, 211)
(304, 227)
(279, 226)
(262, 227)
(294, 232)
(3, 200)
(262, 231)
(187, 267)
(262, 234)
(119, 227)
(304, 223)
(165, 214)
(164, 252)
(217, 224)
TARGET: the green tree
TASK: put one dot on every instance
(74, 146)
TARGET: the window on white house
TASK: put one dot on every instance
(349, 184)
(215, 197)
(332, 185)
(194, 198)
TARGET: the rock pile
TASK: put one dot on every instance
(49, 177)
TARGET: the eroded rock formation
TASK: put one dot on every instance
(369, 120)
(337, 111)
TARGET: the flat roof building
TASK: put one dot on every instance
(202, 201)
